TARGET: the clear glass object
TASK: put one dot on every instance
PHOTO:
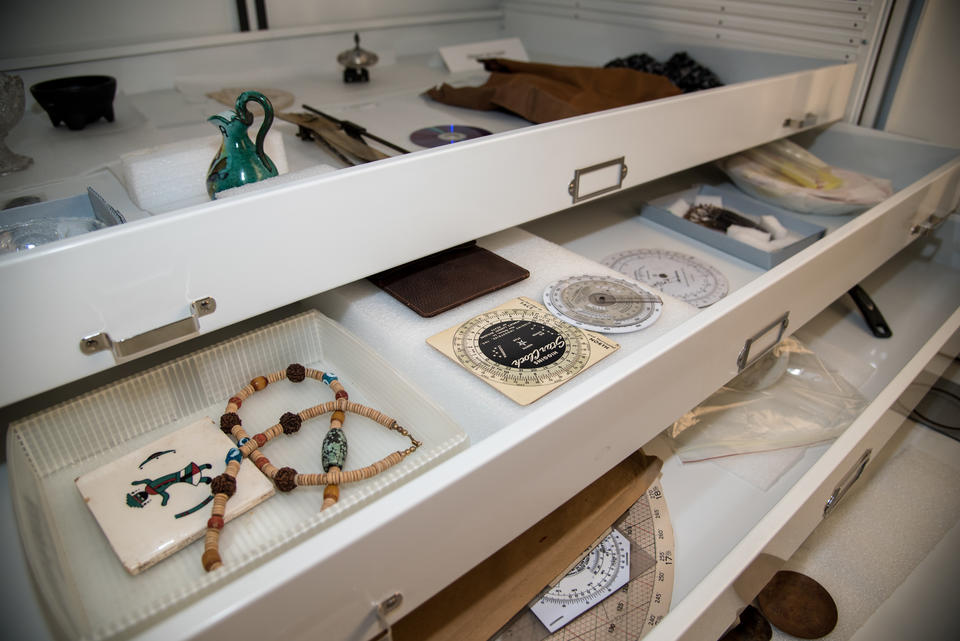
(11, 111)
(31, 233)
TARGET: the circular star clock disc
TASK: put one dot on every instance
(674, 273)
(602, 303)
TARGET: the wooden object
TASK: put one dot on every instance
(333, 136)
(481, 601)
(798, 605)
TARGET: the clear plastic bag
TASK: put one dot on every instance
(785, 174)
(786, 399)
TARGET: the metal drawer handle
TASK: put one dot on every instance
(597, 179)
(151, 340)
(808, 120)
(383, 608)
(932, 222)
(846, 482)
(744, 360)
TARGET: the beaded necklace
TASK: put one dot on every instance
(333, 451)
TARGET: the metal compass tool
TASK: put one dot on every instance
(602, 303)
(674, 273)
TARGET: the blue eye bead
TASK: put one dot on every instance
(234, 455)
(243, 441)
(329, 377)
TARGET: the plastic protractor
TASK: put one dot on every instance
(603, 304)
(673, 273)
(605, 569)
(521, 347)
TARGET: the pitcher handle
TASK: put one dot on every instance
(247, 117)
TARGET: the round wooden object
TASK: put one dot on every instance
(752, 627)
(798, 605)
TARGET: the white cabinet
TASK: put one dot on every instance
(309, 242)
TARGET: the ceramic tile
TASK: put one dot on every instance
(155, 500)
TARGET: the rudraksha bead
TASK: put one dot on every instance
(286, 479)
(259, 383)
(290, 422)
(228, 421)
(296, 372)
(223, 484)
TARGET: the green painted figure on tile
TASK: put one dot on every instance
(239, 161)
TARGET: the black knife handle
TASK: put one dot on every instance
(871, 314)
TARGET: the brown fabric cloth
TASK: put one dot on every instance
(541, 92)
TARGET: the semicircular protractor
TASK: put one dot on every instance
(603, 304)
(673, 273)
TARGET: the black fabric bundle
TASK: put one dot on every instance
(682, 70)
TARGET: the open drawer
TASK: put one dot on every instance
(523, 462)
(150, 273)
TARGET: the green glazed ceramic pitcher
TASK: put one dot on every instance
(239, 161)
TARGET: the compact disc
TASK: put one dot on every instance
(602, 303)
(674, 273)
(446, 134)
(521, 349)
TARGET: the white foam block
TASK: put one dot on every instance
(679, 208)
(773, 226)
(750, 236)
(168, 177)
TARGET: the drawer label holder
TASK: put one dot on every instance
(597, 180)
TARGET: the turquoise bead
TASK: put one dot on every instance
(329, 378)
(334, 449)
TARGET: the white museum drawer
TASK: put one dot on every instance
(264, 250)
(310, 242)
(430, 530)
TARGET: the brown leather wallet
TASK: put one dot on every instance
(442, 281)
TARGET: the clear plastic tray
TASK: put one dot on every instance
(87, 591)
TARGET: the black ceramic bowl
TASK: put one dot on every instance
(77, 100)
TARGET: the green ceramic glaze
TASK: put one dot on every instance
(239, 161)
(334, 449)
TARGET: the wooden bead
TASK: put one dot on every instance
(331, 492)
(259, 383)
(341, 394)
(235, 400)
(338, 415)
(260, 462)
(215, 522)
(261, 439)
(211, 560)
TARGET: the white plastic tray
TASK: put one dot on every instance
(86, 589)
